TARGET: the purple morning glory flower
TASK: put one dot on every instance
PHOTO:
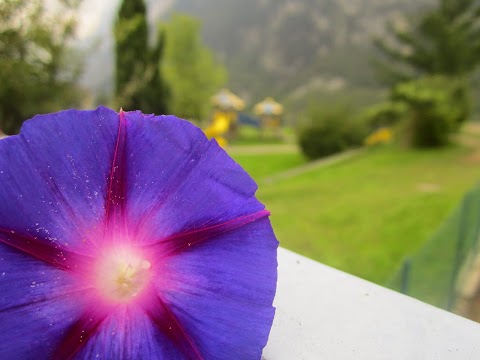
(130, 236)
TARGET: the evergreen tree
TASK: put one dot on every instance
(443, 41)
(131, 50)
(139, 84)
(155, 92)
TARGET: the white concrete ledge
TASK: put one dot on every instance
(323, 313)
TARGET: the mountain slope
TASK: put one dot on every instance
(284, 48)
(281, 45)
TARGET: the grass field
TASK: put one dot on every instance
(365, 214)
(261, 166)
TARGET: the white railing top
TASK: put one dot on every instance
(323, 313)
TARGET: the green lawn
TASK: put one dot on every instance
(365, 214)
(260, 166)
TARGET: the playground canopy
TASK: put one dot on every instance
(268, 107)
(226, 100)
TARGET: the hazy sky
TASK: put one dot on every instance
(95, 16)
(94, 34)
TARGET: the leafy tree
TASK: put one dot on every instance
(37, 70)
(436, 107)
(445, 40)
(189, 68)
(138, 80)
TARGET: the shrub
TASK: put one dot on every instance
(330, 131)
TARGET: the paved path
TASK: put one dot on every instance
(263, 149)
(314, 165)
(290, 149)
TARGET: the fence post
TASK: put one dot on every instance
(477, 223)
(405, 277)
(459, 249)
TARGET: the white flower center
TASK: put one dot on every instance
(122, 274)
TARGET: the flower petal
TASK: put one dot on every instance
(129, 333)
(221, 291)
(178, 243)
(167, 322)
(80, 332)
(37, 304)
(178, 181)
(55, 175)
(115, 199)
(46, 251)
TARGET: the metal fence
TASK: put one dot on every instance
(446, 271)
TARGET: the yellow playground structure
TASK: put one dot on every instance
(227, 117)
(270, 113)
(224, 123)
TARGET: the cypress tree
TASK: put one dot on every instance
(155, 92)
(131, 51)
(139, 83)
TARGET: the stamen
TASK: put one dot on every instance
(122, 274)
